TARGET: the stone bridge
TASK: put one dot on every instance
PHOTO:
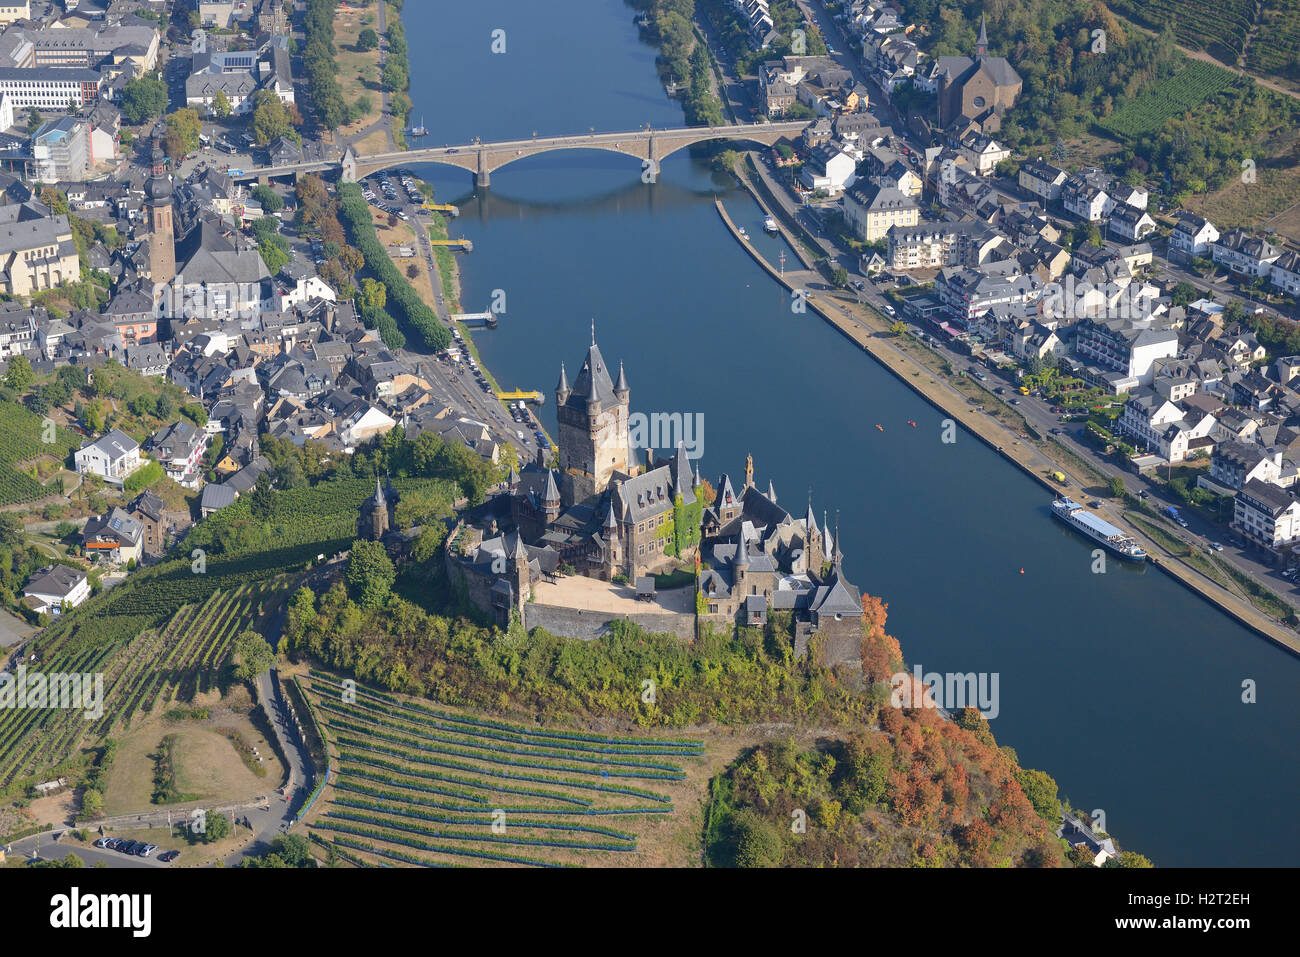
(651, 146)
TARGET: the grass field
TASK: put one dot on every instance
(358, 72)
(419, 784)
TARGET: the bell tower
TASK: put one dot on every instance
(162, 238)
(593, 428)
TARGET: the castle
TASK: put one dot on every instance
(596, 513)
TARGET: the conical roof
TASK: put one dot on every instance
(621, 384)
(563, 384)
(552, 492)
(771, 491)
(593, 383)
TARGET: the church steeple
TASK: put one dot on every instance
(982, 44)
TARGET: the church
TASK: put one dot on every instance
(973, 92)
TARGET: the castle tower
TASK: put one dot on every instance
(982, 44)
(613, 547)
(521, 579)
(162, 238)
(812, 539)
(592, 432)
(373, 520)
(739, 567)
(551, 498)
(749, 471)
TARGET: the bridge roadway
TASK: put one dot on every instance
(651, 146)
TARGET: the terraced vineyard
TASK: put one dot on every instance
(1180, 93)
(1227, 30)
(420, 785)
(144, 674)
(20, 440)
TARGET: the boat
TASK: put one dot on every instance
(880, 427)
(769, 225)
(911, 423)
(418, 130)
(1098, 529)
(743, 234)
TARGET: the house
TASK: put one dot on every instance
(1192, 236)
(1083, 197)
(1042, 179)
(1131, 224)
(1129, 347)
(1236, 464)
(112, 457)
(115, 537)
(151, 512)
(830, 168)
(54, 587)
(1244, 254)
(215, 497)
(1079, 835)
(1266, 514)
(180, 447)
(37, 250)
(871, 211)
(983, 152)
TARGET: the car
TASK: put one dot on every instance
(1182, 522)
(1095, 503)
(102, 842)
(1055, 431)
(168, 856)
(1143, 494)
(453, 150)
(1015, 401)
(890, 309)
(1215, 546)
(147, 850)
(127, 848)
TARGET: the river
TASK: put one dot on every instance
(1123, 686)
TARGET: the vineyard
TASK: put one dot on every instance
(142, 674)
(20, 440)
(417, 785)
(1227, 29)
(1176, 96)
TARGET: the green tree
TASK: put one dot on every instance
(19, 375)
(270, 119)
(33, 120)
(251, 655)
(367, 39)
(186, 125)
(1116, 485)
(143, 99)
(1041, 791)
(757, 841)
(840, 277)
(221, 104)
(370, 574)
(216, 825)
(374, 294)
(268, 198)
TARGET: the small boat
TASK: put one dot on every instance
(769, 225)
(911, 423)
(743, 234)
(880, 427)
(418, 130)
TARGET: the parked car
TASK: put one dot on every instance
(1216, 546)
(102, 842)
(168, 856)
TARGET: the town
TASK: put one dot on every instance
(256, 477)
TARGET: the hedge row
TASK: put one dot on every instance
(466, 782)
(354, 213)
(439, 849)
(512, 808)
(462, 822)
(407, 828)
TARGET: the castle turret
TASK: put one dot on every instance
(749, 471)
(771, 491)
(562, 389)
(739, 566)
(551, 498)
(621, 391)
(612, 546)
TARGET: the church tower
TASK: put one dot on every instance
(593, 428)
(982, 44)
(162, 238)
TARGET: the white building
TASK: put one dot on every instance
(1193, 235)
(51, 588)
(1266, 514)
(112, 457)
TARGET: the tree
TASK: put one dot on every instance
(268, 198)
(143, 99)
(370, 574)
(412, 271)
(186, 125)
(840, 277)
(269, 117)
(215, 826)
(221, 104)
(374, 294)
(367, 39)
(251, 655)
(33, 120)
(1041, 791)
(275, 253)
(19, 376)
(1116, 484)
(262, 500)
(757, 842)
(395, 78)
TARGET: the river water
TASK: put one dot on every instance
(1123, 686)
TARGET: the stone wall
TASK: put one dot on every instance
(588, 625)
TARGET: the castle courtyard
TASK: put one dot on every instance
(590, 594)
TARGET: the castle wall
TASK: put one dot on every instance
(589, 625)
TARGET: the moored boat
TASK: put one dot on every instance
(1113, 539)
